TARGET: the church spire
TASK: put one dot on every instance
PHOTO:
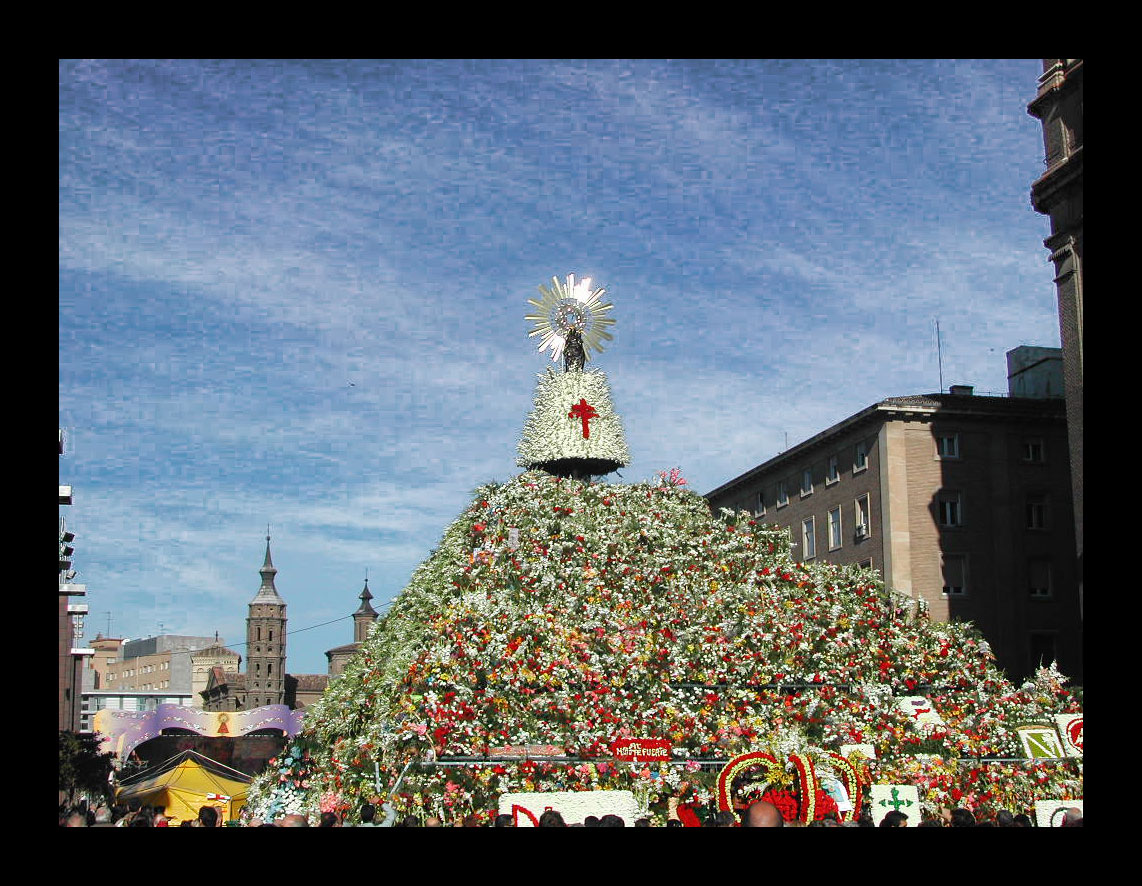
(366, 607)
(268, 593)
(365, 616)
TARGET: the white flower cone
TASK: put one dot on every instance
(573, 427)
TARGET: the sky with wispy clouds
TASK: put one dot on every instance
(293, 293)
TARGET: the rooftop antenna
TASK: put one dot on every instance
(939, 355)
(108, 614)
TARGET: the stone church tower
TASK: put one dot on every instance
(266, 641)
(364, 617)
(363, 620)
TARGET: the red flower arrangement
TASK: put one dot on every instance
(785, 802)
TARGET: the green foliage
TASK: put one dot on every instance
(83, 770)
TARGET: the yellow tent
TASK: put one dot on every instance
(187, 782)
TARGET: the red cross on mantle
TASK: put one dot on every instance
(585, 411)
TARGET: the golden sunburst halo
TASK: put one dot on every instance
(568, 306)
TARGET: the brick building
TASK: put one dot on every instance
(150, 664)
(140, 675)
(959, 500)
(266, 680)
(1058, 193)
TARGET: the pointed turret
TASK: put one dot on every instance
(364, 617)
(363, 620)
(268, 593)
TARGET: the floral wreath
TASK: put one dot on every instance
(814, 803)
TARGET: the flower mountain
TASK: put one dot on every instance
(557, 617)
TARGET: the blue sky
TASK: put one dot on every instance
(293, 292)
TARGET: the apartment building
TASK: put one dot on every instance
(960, 500)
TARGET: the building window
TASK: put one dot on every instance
(271, 635)
(1039, 579)
(863, 524)
(949, 509)
(833, 474)
(865, 564)
(834, 529)
(947, 445)
(809, 538)
(1038, 512)
(782, 494)
(860, 460)
(954, 568)
(259, 637)
(806, 482)
(759, 511)
(1034, 451)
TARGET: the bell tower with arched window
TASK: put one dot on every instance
(266, 641)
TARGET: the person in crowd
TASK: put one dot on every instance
(763, 814)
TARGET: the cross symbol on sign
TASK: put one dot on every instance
(895, 802)
(585, 411)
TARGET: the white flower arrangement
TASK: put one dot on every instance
(573, 418)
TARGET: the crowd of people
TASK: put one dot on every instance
(380, 814)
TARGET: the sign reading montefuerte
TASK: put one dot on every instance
(641, 750)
